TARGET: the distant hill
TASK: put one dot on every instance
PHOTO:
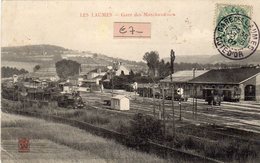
(47, 55)
(190, 58)
(34, 50)
(213, 59)
(31, 53)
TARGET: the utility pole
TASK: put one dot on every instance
(153, 100)
(160, 111)
(172, 92)
(163, 106)
(112, 81)
(180, 108)
(193, 93)
(196, 102)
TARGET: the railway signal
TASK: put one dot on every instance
(163, 106)
(180, 92)
(153, 100)
(180, 108)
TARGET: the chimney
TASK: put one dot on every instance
(193, 70)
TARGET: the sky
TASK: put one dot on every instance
(189, 32)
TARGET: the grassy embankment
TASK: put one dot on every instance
(83, 146)
(223, 148)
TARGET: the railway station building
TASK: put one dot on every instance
(244, 82)
(181, 79)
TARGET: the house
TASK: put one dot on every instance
(66, 87)
(101, 71)
(15, 78)
(119, 69)
(90, 86)
(120, 102)
(84, 89)
(181, 79)
(244, 81)
(74, 79)
(34, 83)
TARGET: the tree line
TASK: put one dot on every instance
(160, 68)
(10, 71)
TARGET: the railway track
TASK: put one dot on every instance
(247, 118)
(217, 116)
(148, 109)
(204, 116)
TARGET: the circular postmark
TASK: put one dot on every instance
(236, 36)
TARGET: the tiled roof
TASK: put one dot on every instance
(226, 76)
(98, 77)
(183, 76)
(118, 97)
(103, 69)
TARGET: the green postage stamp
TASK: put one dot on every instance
(236, 35)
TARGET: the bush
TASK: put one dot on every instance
(230, 150)
(95, 119)
(144, 128)
(245, 151)
(189, 143)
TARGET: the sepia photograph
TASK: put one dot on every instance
(130, 81)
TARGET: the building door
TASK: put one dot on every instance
(250, 93)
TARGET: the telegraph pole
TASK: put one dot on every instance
(180, 108)
(172, 92)
(153, 100)
(193, 94)
(112, 82)
(196, 102)
(163, 106)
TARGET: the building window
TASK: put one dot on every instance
(116, 102)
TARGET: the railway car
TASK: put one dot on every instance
(216, 95)
(157, 92)
(145, 91)
(177, 97)
(70, 101)
(213, 98)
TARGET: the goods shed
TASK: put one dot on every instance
(120, 102)
(243, 82)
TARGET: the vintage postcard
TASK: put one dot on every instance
(130, 81)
